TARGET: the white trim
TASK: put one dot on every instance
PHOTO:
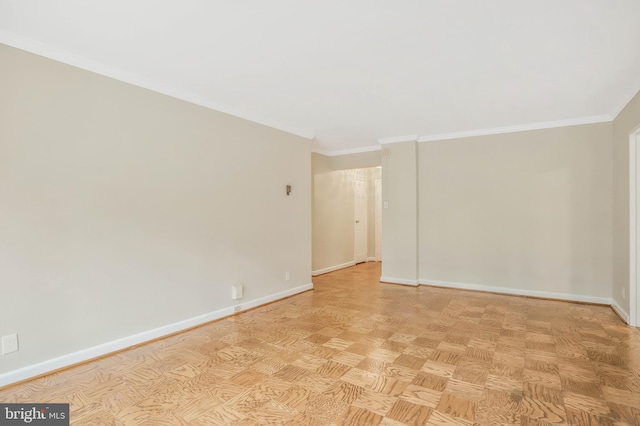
(518, 291)
(24, 43)
(372, 259)
(359, 179)
(273, 297)
(634, 138)
(396, 139)
(402, 281)
(618, 309)
(332, 268)
(485, 132)
(347, 151)
(626, 101)
(321, 152)
(632, 230)
(518, 128)
(136, 339)
(60, 55)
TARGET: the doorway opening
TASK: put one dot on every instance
(346, 229)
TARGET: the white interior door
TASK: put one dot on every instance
(360, 218)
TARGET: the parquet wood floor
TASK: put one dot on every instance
(357, 352)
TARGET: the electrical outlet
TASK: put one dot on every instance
(237, 291)
(9, 344)
(287, 276)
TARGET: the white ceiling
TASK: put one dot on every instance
(348, 73)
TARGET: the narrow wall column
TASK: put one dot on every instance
(400, 211)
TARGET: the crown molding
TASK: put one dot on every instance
(347, 151)
(397, 139)
(626, 101)
(519, 128)
(42, 49)
(23, 43)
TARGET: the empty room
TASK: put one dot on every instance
(331, 213)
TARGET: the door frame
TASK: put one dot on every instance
(378, 218)
(634, 229)
(363, 219)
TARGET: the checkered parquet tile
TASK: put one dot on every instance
(357, 352)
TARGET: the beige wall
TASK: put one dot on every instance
(625, 122)
(332, 215)
(400, 220)
(333, 208)
(355, 161)
(124, 210)
(528, 211)
(373, 174)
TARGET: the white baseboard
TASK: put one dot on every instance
(273, 297)
(618, 310)
(332, 268)
(519, 292)
(402, 281)
(372, 259)
(126, 342)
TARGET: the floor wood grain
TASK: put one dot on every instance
(357, 352)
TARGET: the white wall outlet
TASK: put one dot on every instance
(9, 344)
(237, 292)
(287, 276)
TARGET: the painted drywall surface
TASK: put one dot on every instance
(399, 220)
(373, 174)
(527, 210)
(124, 210)
(626, 121)
(333, 210)
(355, 161)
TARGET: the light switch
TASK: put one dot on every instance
(9, 344)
